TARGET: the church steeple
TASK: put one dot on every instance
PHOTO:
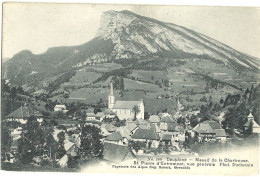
(111, 89)
(111, 97)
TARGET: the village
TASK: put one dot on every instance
(124, 133)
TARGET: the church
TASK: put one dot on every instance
(124, 109)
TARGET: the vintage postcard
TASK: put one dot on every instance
(130, 89)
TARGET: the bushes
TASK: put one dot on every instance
(138, 145)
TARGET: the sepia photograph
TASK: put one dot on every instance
(130, 89)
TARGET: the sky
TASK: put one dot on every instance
(37, 27)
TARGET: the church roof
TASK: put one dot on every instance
(250, 115)
(126, 104)
(255, 125)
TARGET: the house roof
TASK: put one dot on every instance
(179, 128)
(214, 125)
(24, 112)
(116, 136)
(99, 114)
(90, 114)
(131, 126)
(167, 119)
(167, 137)
(220, 133)
(117, 153)
(171, 126)
(126, 104)
(68, 145)
(147, 134)
(104, 131)
(154, 119)
(203, 128)
(140, 122)
(60, 106)
(155, 127)
(125, 133)
(109, 111)
(109, 127)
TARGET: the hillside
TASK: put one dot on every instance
(154, 59)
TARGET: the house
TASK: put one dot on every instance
(178, 136)
(90, 116)
(60, 107)
(23, 113)
(204, 131)
(143, 124)
(109, 114)
(171, 127)
(117, 153)
(71, 148)
(147, 135)
(155, 128)
(100, 116)
(124, 109)
(132, 127)
(221, 134)
(154, 119)
(255, 126)
(62, 162)
(167, 138)
(109, 127)
(104, 132)
(167, 119)
(210, 130)
(121, 136)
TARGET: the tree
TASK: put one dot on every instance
(249, 131)
(121, 83)
(13, 93)
(96, 110)
(6, 139)
(32, 142)
(91, 147)
(61, 150)
(146, 115)
(136, 110)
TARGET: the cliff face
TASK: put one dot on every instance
(136, 35)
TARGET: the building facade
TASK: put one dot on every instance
(124, 109)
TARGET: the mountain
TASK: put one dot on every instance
(125, 36)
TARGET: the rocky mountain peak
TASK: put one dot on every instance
(112, 22)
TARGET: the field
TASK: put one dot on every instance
(105, 67)
(83, 77)
(184, 83)
(89, 95)
(138, 85)
(148, 76)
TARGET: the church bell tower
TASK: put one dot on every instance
(111, 97)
